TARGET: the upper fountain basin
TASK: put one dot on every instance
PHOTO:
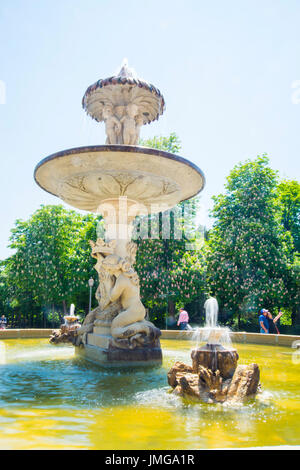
(118, 91)
(85, 177)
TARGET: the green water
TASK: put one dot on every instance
(50, 399)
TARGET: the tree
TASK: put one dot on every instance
(294, 291)
(169, 273)
(170, 144)
(51, 264)
(250, 256)
(289, 208)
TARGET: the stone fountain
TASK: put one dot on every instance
(67, 331)
(119, 180)
(214, 375)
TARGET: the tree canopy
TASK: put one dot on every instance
(250, 253)
(171, 274)
(51, 263)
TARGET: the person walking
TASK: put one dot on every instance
(263, 321)
(3, 322)
(183, 319)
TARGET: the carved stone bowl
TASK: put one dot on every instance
(87, 177)
(120, 90)
(215, 357)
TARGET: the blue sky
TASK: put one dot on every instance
(226, 69)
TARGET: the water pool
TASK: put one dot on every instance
(50, 399)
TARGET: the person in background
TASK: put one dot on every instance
(277, 318)
(273, 328)
(171, 321)
(3, 322)
(183, 319)
(263, 321)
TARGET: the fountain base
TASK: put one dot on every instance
(113, 357)
(64, 334)
(139, 346)
(214, 376)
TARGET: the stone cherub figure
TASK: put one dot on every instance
(128, 328)
(118, 295)
(126, 287)
(130, 125)
(124, 125)
(112, 125)
(100, 249)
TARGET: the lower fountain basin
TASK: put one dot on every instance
(52, 399)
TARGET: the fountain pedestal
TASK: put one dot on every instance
(214, 376)
(67, 331)
(215, 357)
(100, 347)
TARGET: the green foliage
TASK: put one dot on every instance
(250, 255)
(286, 319)
(169, 273)
(289, 208)
(51, 263)
(294, 290)
(54, 317)
(168, 144)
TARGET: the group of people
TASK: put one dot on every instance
(267, 323)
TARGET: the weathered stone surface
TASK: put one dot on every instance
(91, 177)
(124, 103)
(189, 385)
(113, 357)
(176, 371)
(212, 383)
(215, 358)
(209, 386)
(245, 382)
(118, 324)
(62, 336)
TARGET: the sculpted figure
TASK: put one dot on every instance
(112, 125)
(87, 327)
(131, 250)
(126, 288)
(139, 122)
(128, 328)
(118, 295)
(119, 113)
(129, 125)
(100, 249)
